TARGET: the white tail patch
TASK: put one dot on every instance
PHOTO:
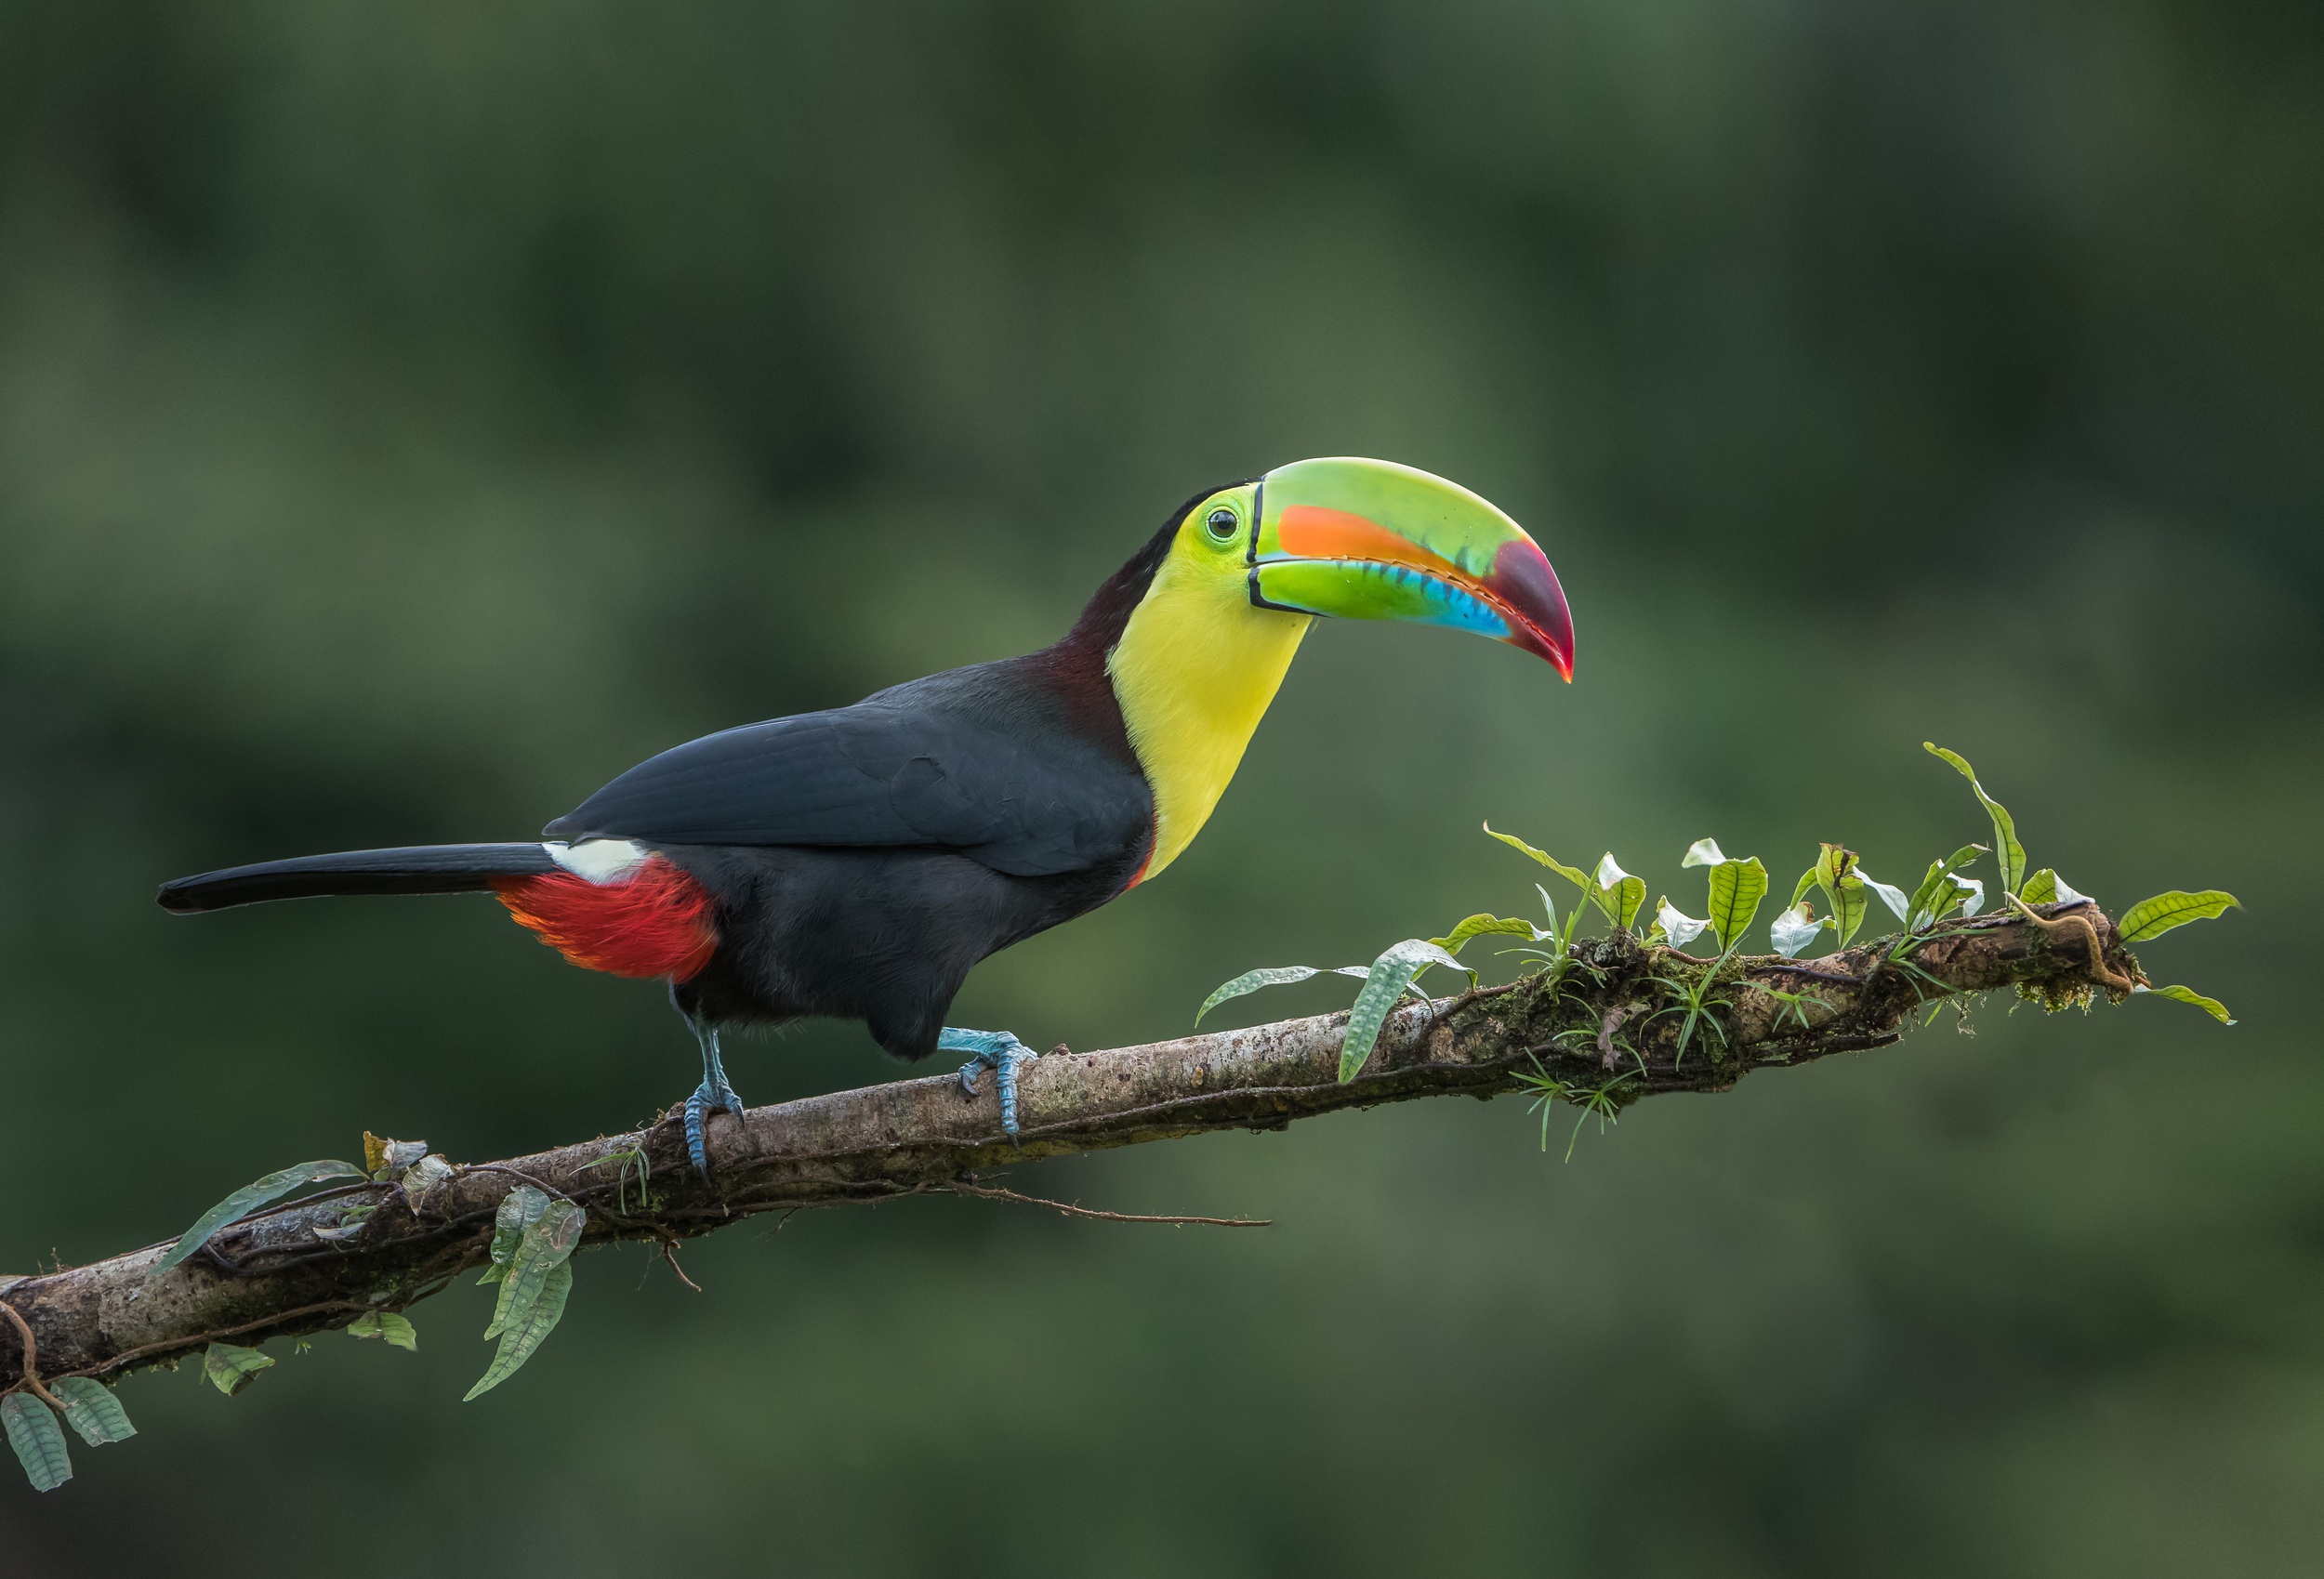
(601, 861)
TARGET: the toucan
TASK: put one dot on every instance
(857, 863)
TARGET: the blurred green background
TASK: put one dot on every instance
(411, 415)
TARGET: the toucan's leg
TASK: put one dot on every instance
(711, 1094)
(996, 1050)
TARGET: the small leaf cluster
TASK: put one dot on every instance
(88, 1406)
(1736, 891)
(534, 1238)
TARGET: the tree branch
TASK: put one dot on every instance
(1606, 1023)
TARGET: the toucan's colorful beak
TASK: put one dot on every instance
(1372, 540)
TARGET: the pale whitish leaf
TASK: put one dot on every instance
(1390, 975)
(1737, 888)
(1609, 874)
(399, 1331)
(2211, 1007)
(229, 1367)
(1891, 895)
(1703, 852)
(424, 1176)
(92, 1411)
(544, 1246)
(1971, 892)
(1272, 976)
(1572, 874)
(38, 1440)
(1482, 925)
(248, 1199)
(520, 1209)
(2066, 893)
(520, 1338)
(1682, 929)
(2150, 918)
(2006, 849)
(1794, 929)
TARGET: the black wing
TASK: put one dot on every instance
(961, 760)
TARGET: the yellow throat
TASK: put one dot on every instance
(1193, 671)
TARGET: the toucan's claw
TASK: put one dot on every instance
(711, 1094)
(997, 1050)
(706, 1101)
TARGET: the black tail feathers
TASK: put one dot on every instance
(419, 869)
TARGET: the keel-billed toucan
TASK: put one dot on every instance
(858, 862)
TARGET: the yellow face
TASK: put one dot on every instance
(1197, 665)
(1249, 568)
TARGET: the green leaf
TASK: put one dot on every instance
(520, 1338)
(1390, 975)
(1272, 976)
(1481, 925)
(399, 1331)
(1572, 874)
(2211, 1007)
(520, 1209)
(92, 1411)
(1737, 888)
(38, 1440)
(1702, 852)
(248, 1199)
(1618, 893)
(1800, 888)
(2152, 917)
(1547, 904)
(1844, 890)
(544, 1246)
(2055, 889)
(2008, 851)
(1937, 894)
(229, 1367)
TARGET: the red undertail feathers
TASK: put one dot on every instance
(657, 921)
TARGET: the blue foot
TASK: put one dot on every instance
(996, 1050)
(706, 1101)
(711, 1094)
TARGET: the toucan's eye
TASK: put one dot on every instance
(1222, 524)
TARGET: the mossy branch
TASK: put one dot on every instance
(1605, 1025)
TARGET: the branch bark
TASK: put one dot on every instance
(1607, 1025)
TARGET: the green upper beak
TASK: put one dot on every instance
(1372, 540)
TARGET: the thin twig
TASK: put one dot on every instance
(1474, 994)
(669, 1253)
(518, 1173)
(1810, 971)
(32, 1358)
(129, 1356)
(960, 1187)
